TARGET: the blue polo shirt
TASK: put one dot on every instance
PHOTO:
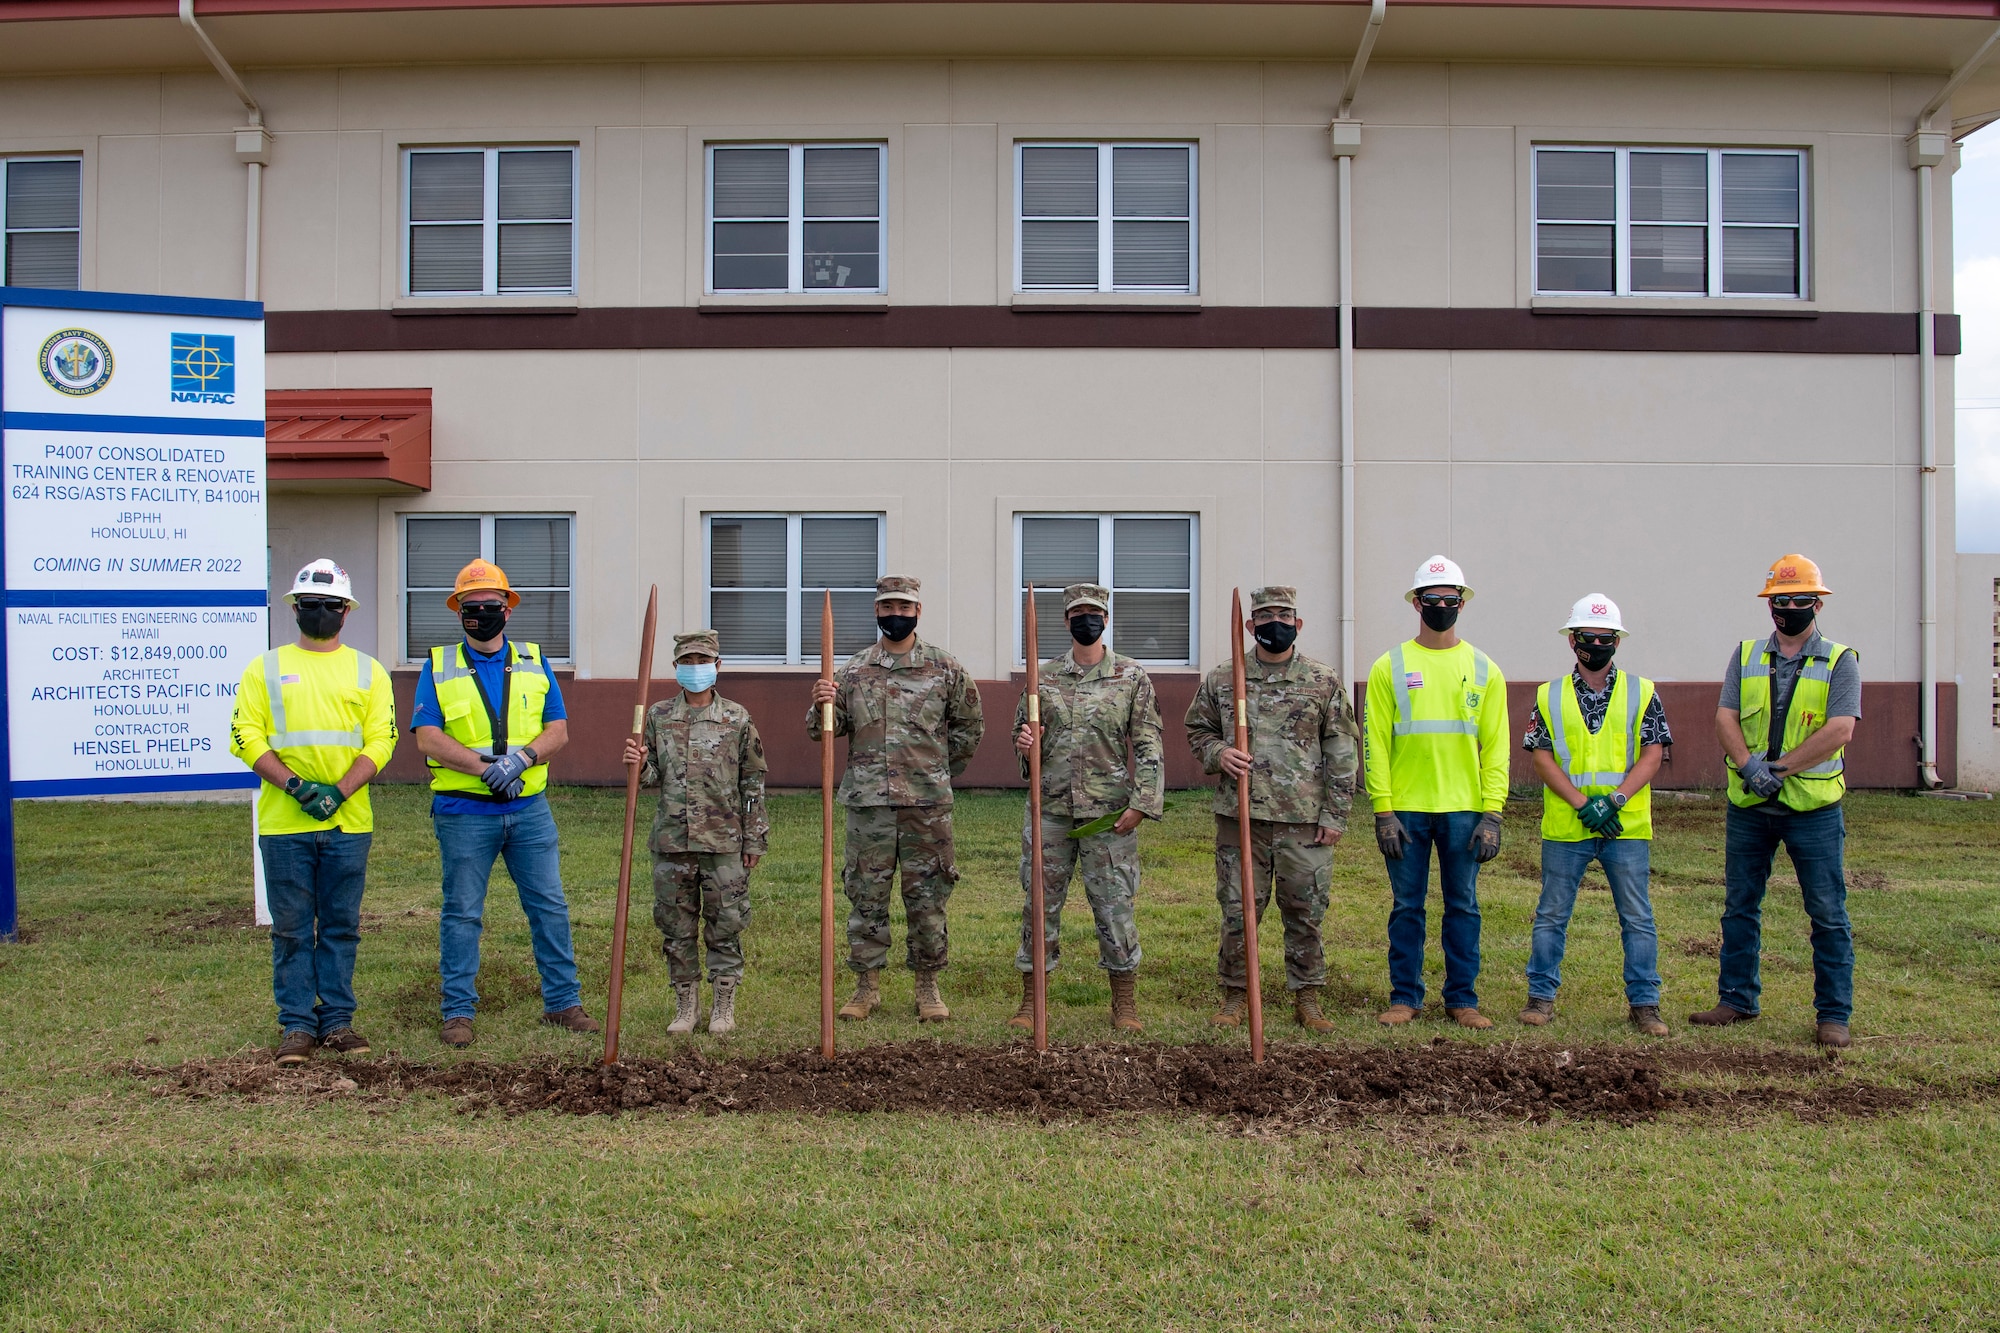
(490, 670)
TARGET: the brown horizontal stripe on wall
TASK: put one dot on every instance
(606, 328)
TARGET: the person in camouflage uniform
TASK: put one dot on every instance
(703, 752)
(1302, 763)
(1095, 707)
(912, 717)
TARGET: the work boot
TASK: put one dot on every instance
(1024, 1015)
(456, 1032)
(1832, 1035)
(722, 1015)
(1469, 1018)
(345, 1041)
(930, 1005)
(1537, 1012)
(1720, 1017)
(687, 1008)
(1125, 1002)
(1235, 1003)
(1396, 1015)
(572, 1019)
(867, 996)
(296, 1048)
(1646, 1018)
(1305, 1008)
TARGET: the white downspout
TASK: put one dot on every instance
(253, 150)
(1345, 139)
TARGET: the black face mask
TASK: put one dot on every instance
(1439, 618)
(320, 620)
(896, 628)
(1592, 656)
(1087, 628)
(1275, 635)
(483, 620)
(1793, 620)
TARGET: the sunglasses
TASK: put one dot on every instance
(1594, 640)
(1444, 599)
(1785, 603)
(321, 603)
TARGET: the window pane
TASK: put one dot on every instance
(752, 182)
(447, 187)
(1056, 552)
(533, 551)
(842, 254)
(1760, 261)
(1149, 182)
(752, 624)
(1059, 254)
(42, 259)
(1760, 187)
(839, 553)
(438, 549)
(535, 185)
(1670, 187)
(853, 625)
(1573, 259)
(1059, 182)
(1150, 552)
(1051, 630)
(431, 624)
(535, 255)
(447, 259)
(1576, 186)
(746, 553)
(44, 194)
(1151, 626)
(843, 182)
(1148, 254)
(1670, 259)
(750, 256)
(542, 617)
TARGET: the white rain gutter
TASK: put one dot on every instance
(253, 150)
(1928, 149)
(1344, 136)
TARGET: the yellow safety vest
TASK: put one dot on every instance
(1823, 783)
(1597, 764)
(470, 718)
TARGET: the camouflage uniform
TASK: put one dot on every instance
(1091, 716)
(914, 723)
(1304, 758)
(709, 766)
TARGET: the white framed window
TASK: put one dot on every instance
(796, 217)
(42, 209)
(489, 221)
(1105, 217)
(1687, 222)
(765, 574)
(1147, 560)
(536, 552)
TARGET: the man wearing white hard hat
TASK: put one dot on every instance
(1436, 767)
(316, 721)
(1597, 738)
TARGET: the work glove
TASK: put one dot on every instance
(1612, 828)
(318, 799)
(504, 771)
(515, 788)
(1485, 844)
(1758, 777)
(1389, 835)
(1596, 813)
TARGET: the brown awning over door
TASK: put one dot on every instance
(358, 441)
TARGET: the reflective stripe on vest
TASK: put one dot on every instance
(1815, 669)
(456, 681)
(1809, 789)
(1405, 726)
(1558, 732)
(280, 738)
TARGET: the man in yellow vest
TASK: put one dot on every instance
(1436, 768)
(1597, 738)
(316, 721)
(1789, 706)
(489, 717)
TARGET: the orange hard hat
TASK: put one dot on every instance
(482, 576)
(1794, 574)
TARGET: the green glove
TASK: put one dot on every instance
(318, 799)
(1596, 813)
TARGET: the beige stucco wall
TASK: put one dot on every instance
(1978, 628)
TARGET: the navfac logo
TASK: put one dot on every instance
(203, 368)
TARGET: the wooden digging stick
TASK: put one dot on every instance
(615, 1006)
(1236, 680)
(1037, 902)
(826, 835)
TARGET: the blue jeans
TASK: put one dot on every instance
(1409, 881)
(313, 883)
(468, 845)
(1627, 865)
(1814, 841)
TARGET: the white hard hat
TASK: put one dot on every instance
(1595, 611)
(322, 578)
(1436, 572)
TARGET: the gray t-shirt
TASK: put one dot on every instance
(1843, 696)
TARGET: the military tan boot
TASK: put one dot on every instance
(1305, 1008)
(1024, 1016)
(722, 1015)
(867, 996)
(687, 1007)
(930, 1005)
(1125, 1002)
(1235, 1003)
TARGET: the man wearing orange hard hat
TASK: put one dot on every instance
(1789, 705)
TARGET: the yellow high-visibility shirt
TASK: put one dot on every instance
(1436, 730)
(322, 711)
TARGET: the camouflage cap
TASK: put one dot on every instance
(697, 641)
(900, 587)
(1086, 594)
(1276, 595)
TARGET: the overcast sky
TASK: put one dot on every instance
(1976, 265)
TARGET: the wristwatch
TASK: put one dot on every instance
(533, 758)
(292, 784)
(1618, 798)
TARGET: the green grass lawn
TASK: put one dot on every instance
(120, 1209)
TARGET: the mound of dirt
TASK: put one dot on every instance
(1297, 1087)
